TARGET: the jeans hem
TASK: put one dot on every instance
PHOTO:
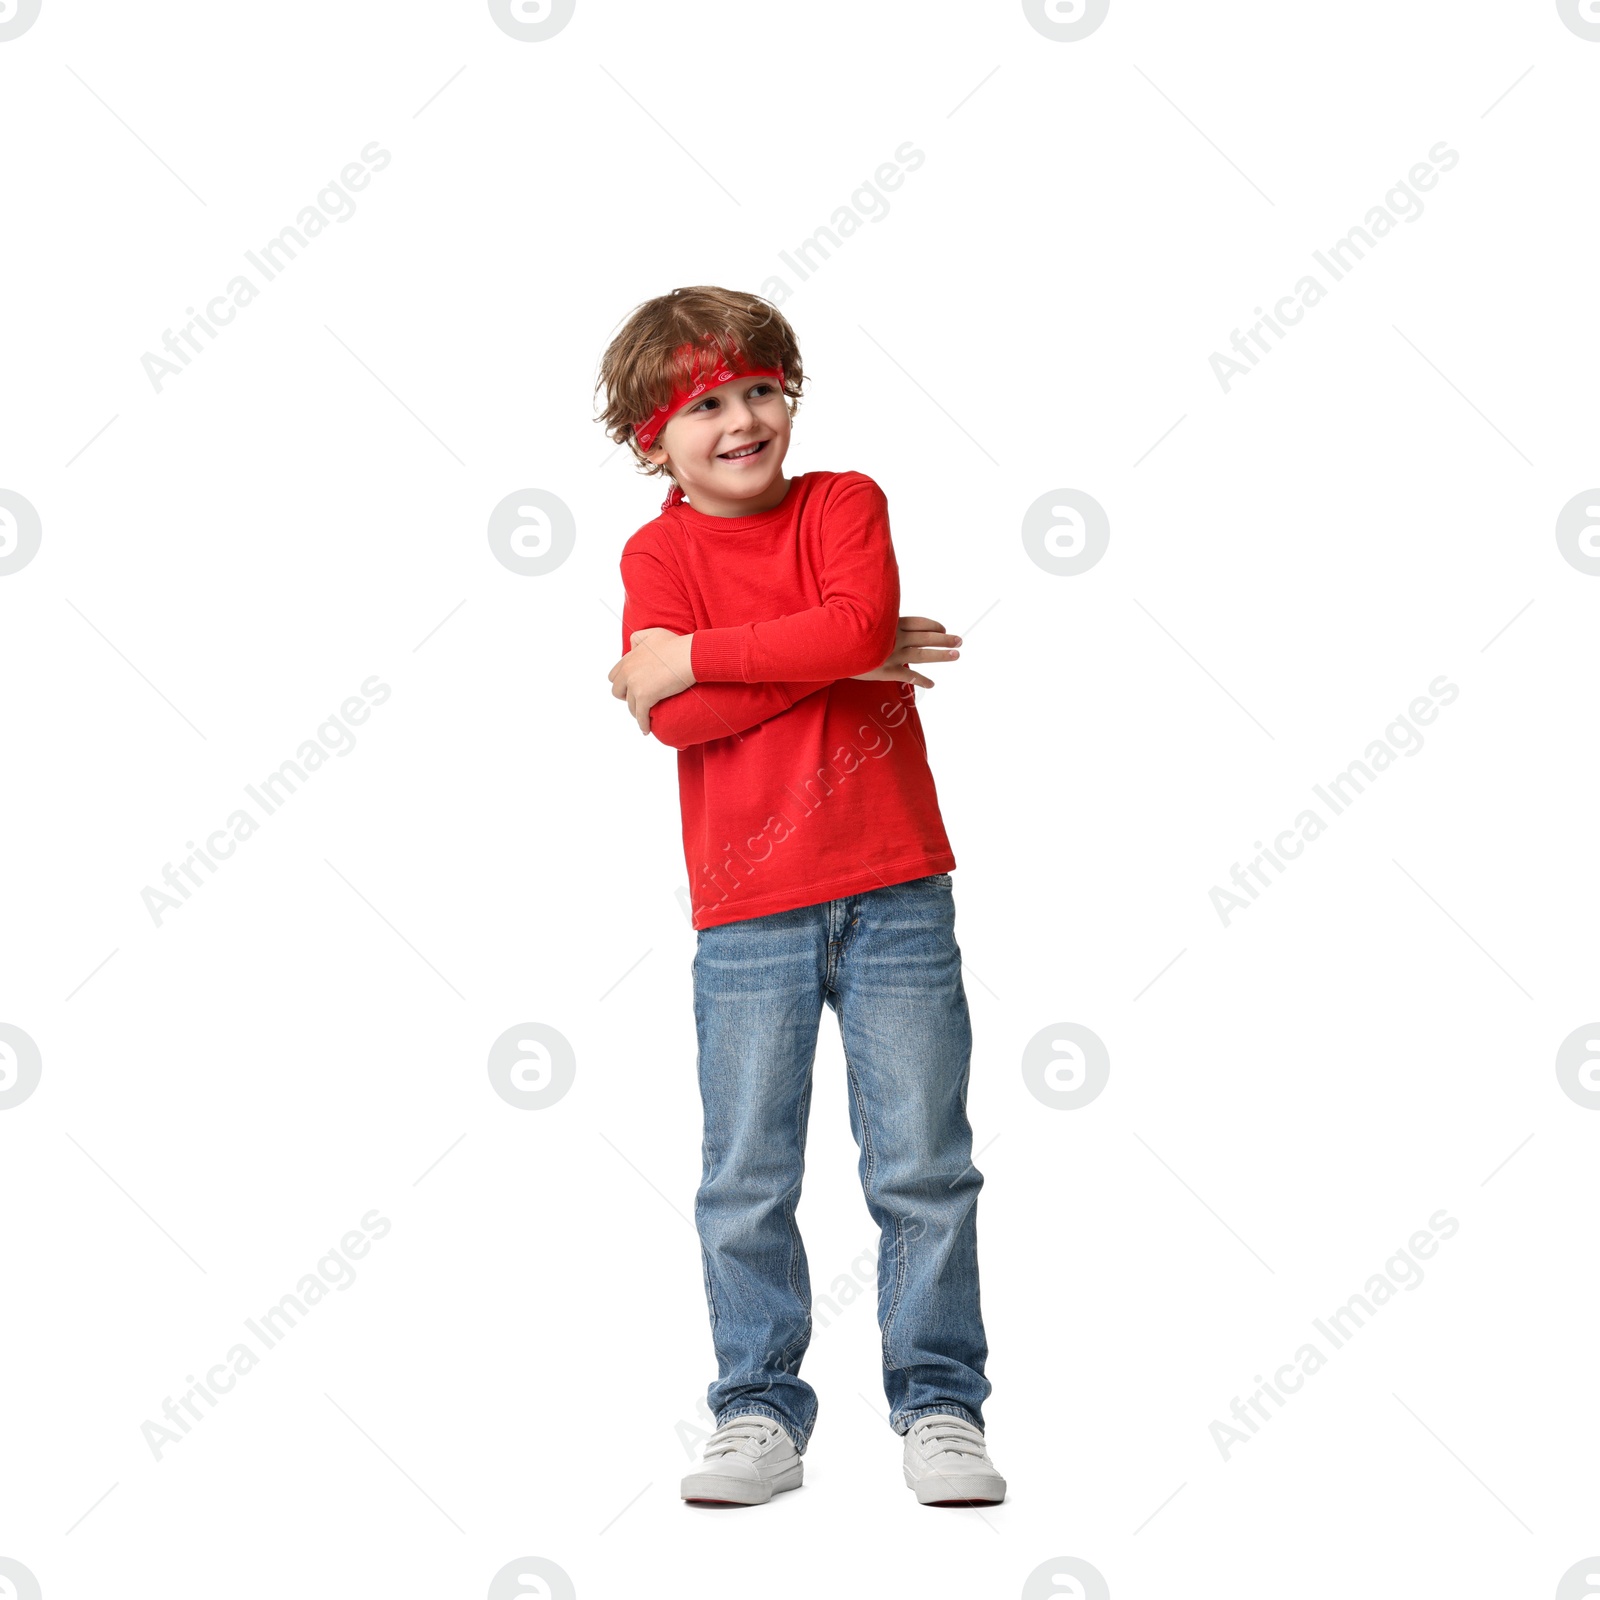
(756, 1409)
(902, 1423)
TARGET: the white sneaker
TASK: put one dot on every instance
(745, 1462)
(948, 1464)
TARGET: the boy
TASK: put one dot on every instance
(819, 874)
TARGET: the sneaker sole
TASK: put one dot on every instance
(948, 1491)
(707, 1489)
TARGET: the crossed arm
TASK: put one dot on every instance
(654, 677)
(657, 674)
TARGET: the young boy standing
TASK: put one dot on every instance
(761, 633)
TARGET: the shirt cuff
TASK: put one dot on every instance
(717, 655)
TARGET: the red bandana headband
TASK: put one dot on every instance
(644, 433)
(726, 371)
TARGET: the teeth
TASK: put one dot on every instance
(736, 455)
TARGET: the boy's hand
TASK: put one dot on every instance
(656, 666)
(917, 639)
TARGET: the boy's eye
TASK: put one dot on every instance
(758, 391)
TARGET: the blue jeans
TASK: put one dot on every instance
(887, 962)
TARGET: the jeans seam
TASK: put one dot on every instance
(705, 1270)
(869, 1154)
(705, 1254)
(889, 1363)
(795, 1246)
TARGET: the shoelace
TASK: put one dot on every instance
(939, 1434)
(743, 1436)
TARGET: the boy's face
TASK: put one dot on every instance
(701, 444)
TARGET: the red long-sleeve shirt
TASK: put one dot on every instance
(797, 784)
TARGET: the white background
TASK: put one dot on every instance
(518, 1365)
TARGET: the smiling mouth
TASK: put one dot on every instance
(740, 455)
